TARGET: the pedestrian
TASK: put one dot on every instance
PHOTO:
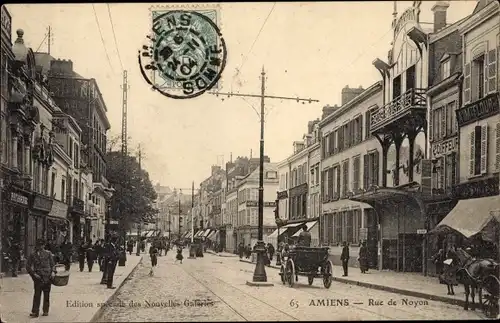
(304, 239)
(81, 255)
(241, 249)
(41, 267)
(112, 258)
(153, 253)
(130, 246)
(179, 255)
(15, 256)
(249, 251)
(363, 258)
(100, 255)
(90, 255)
(104, 261)
(270, 249)
(66, 249)
(344, 258)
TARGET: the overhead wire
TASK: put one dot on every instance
(245, 58)
(102, 39)
(114, 35)
(41, 43)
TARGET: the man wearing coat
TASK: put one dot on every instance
(344, 258)
(112, 258)
(41, 267)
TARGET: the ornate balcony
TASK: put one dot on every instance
(406, 109)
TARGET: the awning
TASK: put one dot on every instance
(187, 235)
(309, 225)
(274, 235)
(206, 233)
(292, 225)
(197, 234)
(469, 217)
(212, 235)
(345, 205)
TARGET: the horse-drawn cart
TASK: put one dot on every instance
(312, 262)
(490, 296)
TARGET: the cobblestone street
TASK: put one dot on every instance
(214, 289)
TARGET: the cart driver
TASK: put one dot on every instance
(304, 237)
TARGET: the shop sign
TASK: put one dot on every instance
(483, 188)
(421, 231)
(269, 204)
(252, 203)
(444, 147)
(42, 203)
(478, 110)
(77, 205)
(59, 209)
(19, 198)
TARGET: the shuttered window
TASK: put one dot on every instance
(356, 172)
(484, 149)
(497, 157)
(492, 71)
(338, 218)
(337, 175)
(330, 183)
(467, 83)
(345, 175)
(366, 165)
(375, 168)
(368, 118)
(349, 227)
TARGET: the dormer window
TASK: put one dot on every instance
(445, 69)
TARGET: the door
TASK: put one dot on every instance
(372, 238)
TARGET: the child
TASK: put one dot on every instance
(153, 253)
(179, 254)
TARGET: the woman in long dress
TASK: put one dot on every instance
(451, 266)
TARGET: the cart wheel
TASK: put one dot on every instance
(327, 272)
(490, 305)
(290, 272)
(282, 274)
(310, 280)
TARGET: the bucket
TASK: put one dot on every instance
(61, 277)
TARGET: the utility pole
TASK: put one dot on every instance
(124, 142)
(49, 37)
(259, 275)
(180, 192)
(138, 253)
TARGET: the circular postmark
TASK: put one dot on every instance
(186, 56)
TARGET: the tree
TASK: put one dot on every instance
(132, 201)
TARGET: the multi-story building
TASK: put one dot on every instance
(314, 164)
(70, 191)
(248, 198)
(80, 98)
(23, 116)
(282, 194)
(350, 162)
(207, 188)
(162, 218)
(444, 98)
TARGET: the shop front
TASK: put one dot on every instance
(75, 216)
(36, 222)
(15, 212)
(57, 225)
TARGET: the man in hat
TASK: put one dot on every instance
(304, 237)
(344, 258)
(112, 258)
(41, 267)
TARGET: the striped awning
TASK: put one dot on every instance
(206, 233)
(212, 235)
(198, 233)
(188, 235)
(309, 225)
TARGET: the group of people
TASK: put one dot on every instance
(41, 265)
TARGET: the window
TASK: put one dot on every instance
(349, 228)
(63, 190)
(75, 188)
(45, 175)
(337, 225)
(477, 85)
(70, 153)
(345, 177)
(478, 161)
(445, 69)
(52, 184)
(396, 87)
(370, 169)
(76, 156)
(312, 176)
(356, 172)
(410, 77)
(248, 217)
(357, 222)
(36, 177)
(272, 175)
(317, 174)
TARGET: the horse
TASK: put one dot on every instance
(471, 274)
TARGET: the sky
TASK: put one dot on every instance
(308, 50)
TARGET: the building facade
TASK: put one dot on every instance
(479, 115)
(248, 198)
(350, 160)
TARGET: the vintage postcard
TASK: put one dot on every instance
(250, 161)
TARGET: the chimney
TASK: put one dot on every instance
(61, 67)
(215, 168)
(439, 10)
(349, 94)
(327, 110)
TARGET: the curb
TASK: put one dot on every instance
(395, 290)
(220, 255)
(111, 298)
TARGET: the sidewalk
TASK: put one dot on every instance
(221, 254)
(76, 302)
(409, 284)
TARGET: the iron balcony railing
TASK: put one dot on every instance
(412, 98)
